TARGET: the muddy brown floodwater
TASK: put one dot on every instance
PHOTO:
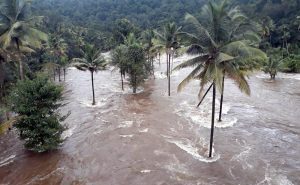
(153, 139)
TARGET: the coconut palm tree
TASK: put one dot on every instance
(119, 60)
(168, 41)
(148, 45)
(17, 32)
(220, 50)
(92, 61)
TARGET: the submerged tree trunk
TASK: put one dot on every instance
(122, 82)
(54, 73)
(135, 85)
(169, 76)
(59, 74)
(212, 121)
(64, 74)
(221, 101)
(92, 75)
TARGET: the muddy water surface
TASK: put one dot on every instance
(153, 139)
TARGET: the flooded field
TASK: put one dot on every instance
(153, 139)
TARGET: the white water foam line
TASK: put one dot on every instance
(127, 136)
(280, 75)
(7, 160)
(202, 115)
(190, 148)
(146, 171)
(144, 130)
(126, 124)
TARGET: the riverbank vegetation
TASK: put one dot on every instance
(228, 38)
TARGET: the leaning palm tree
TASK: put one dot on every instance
(16, 29)
(168, 40)
(220, 50)
(92, 61)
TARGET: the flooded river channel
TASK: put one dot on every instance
(152, 139)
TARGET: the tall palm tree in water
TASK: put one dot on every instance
(92, 61)
(17, 30)
(220, 49)
(168, 40)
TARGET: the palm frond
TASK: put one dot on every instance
(199, 60)
(190, 77)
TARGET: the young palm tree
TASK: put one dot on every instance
(168, 40)
(274, 64)
(92, 61)
(221, 50)
(16, 29)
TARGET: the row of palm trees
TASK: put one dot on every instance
(224, 44)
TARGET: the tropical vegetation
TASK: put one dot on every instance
(226, 39)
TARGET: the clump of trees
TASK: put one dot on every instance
(39, 123)
(130, 58)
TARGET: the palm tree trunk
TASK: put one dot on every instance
(204, 95)
(169, 76)
(93, 89)
(54, 74)
(221, 101)
(212, 121)
(135, 85)
(59, 74)
(21, 69)
(122, 82)
(167, 64)
(159, 58)
(64, 74)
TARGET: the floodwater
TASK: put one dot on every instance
(152, 139)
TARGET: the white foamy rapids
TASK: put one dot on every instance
(68, 133)
(127, 136)
(160, 75)
(146, 171)
(190, 148)
(127, 90)
(280, 75)
(126, 124)
(202, 115)
(7, 160)
(88, 103)
(144, 130)
(273, 177)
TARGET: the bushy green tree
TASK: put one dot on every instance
(39, 123)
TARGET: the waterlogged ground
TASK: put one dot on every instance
(152, 139)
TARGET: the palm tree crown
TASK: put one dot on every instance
(225, 42)
(92, 60)
(16, 28)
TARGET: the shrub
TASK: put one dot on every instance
(36, 102)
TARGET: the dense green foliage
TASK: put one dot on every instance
(36, 102)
